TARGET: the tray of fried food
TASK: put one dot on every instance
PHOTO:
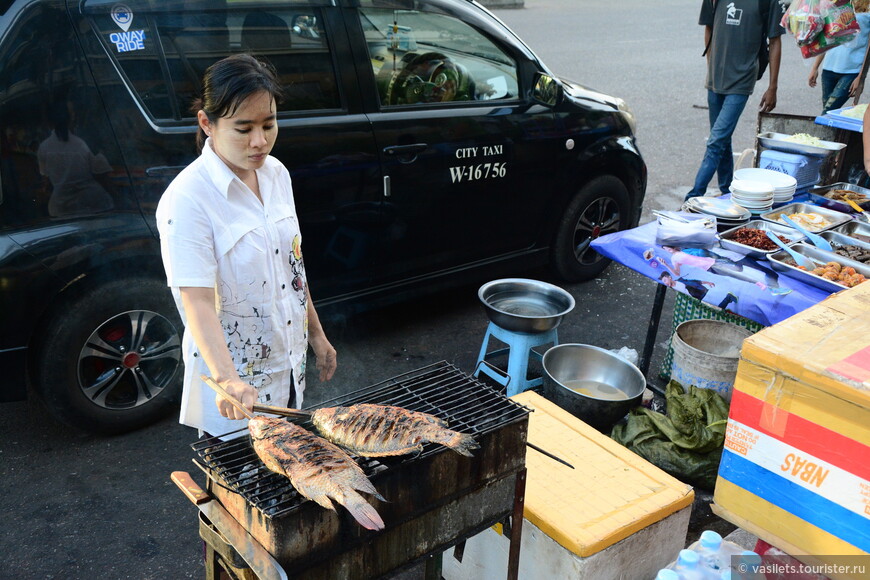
(834, 196)
(831, 274)
(751, 240)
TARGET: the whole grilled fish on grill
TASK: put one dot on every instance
(381, 430)
(317, 469)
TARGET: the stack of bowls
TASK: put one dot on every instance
(784, 185)
(756, 196)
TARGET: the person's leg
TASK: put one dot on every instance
(829, 81)
(708, 164)
(839, 90)
(726, 123)
(725, 111)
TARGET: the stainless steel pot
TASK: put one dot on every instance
(522, 305)
(591, 383)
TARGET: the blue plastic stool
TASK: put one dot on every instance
(520, 345)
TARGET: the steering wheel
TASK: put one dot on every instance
(423, 78)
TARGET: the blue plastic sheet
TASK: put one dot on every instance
(719, 277)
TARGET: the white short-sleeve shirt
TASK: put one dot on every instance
(215, 233)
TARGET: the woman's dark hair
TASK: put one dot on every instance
(228, 82)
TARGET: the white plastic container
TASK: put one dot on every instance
(667, 574)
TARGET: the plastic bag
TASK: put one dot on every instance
(838, 26)
(804, 20)
(685, 230)
(839, 17)
(822, 44)
(687, 442)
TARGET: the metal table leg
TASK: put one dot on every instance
(653, 328)
(517, 527)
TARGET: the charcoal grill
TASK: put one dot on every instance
(435, 499)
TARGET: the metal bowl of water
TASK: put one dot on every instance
(591, 383)
(522, 305)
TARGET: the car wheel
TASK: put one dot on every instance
(110, 361)
(601, 207)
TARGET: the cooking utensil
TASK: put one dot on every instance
(522, 305)
(799, 260)
(861, 214)
(233, 401)
(548, 454)
(573, 370)
(258, 408)
(252, 552)
(816, 239)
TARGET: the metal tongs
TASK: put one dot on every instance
(798, 258)
(862, 215)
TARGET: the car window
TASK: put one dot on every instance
(163, 54)
(428, 57)
(58, 157)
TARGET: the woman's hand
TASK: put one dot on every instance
(324, 353)
(242, 392)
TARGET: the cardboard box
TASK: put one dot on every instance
(796, 466)
(614, 516)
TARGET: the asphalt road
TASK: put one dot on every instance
(80, 506)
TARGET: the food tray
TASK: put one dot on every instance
(838, 114)
(854, 227)
(821, 257)
(729, 244)
(818, 195)
(776, 141)
(841, 239)
(835, 217)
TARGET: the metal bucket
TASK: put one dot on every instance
(591, 383)
(706, 354)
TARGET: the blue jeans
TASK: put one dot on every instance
(835, 89)
(725, 111)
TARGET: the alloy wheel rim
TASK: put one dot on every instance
(599, 218)
(129, 359)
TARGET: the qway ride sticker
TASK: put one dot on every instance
(128, 40)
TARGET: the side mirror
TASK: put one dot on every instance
(548, 91)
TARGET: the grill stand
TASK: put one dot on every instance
(220, 555)
(435, 499)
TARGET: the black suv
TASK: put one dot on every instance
(424, 139)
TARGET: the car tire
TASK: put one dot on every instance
(110, 360)
(601, 207)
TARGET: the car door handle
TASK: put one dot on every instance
(405, 150)
(164, 170)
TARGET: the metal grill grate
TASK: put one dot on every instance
(441, 389)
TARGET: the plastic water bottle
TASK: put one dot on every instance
(667, 574)
(750, 562)
(688, 566)
(710, 550)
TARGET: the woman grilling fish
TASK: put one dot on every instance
(231, 248)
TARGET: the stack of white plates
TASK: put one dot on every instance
(784, 185)
(756, 196)
(728, 215)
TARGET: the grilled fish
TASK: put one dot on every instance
(380, 430)
(317, 469)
